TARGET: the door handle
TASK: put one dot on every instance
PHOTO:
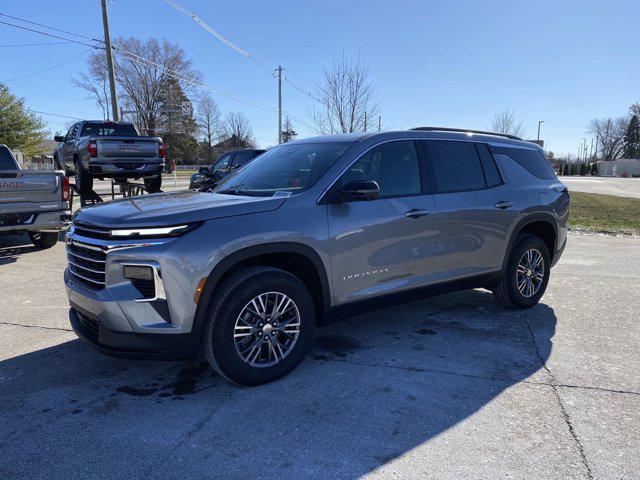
(502, 205)
(416, 213)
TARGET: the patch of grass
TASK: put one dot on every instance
(604, 213)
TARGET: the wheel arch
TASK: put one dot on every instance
(296, 258)
(541, 224)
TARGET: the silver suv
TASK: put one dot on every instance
(308, 232)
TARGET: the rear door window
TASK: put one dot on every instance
(531, 160)
(456, 166)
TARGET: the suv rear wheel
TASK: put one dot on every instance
(525, 279)
(259, 326)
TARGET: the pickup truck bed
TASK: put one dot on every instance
(35, 202)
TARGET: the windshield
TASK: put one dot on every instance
(107, 129)
(287, 169)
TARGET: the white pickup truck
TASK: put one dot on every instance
(32, 202)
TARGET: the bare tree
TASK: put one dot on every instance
(609, 133)
(506, 122)
(96, 82)
(347, 98)
(210, 124)
(141, 71)
(238, 131)
(288, 133)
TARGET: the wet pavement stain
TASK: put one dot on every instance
(337, 345)
(136, 392)
(426, 331)
(187, 380)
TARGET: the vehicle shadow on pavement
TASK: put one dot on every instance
(13, 246)
(375, 387)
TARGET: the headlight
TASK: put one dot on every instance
(174, 231)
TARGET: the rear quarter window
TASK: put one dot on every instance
(6, 160)
(531, 160)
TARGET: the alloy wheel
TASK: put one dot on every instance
(530, 272)
(267, 329)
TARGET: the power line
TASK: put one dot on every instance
(201, 22)
(47, 26)
(172, 73)
(169, 71)
(232, 45)
(55, 115)
(32, 44)
(46, 69)
(48, 34)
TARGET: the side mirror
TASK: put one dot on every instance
(359, 190)
(217, 175)
(203, 170)
(58, 138)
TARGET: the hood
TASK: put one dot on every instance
(173, 209)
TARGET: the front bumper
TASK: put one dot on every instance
(129, 344)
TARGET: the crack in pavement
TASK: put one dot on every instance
(480, 377)
(554, 388)
(36, 326)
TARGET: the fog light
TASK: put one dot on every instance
(137, 272)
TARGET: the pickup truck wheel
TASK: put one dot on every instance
(525, 279)
(84, 180)
(43, 239)
(260, 325)
(153, 184)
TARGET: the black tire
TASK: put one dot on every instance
(506, 291)
(227, 305)
(153, 184)
(83, 179)
(43, 239)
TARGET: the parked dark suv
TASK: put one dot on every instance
(310, 231)
(207, 177)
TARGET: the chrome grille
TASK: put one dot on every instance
(87, 264)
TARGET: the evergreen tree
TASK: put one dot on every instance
(19, 128)
(177, 131)
(288, 133)
(632, 139)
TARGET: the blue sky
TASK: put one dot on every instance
(432, 63)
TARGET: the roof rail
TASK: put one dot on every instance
(465, 130)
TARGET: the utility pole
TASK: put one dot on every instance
(379, 122)
(279, 70)
(365, 121)
(112, 77)
(539, 123)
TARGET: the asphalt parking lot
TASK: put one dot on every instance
(619, 187)
(448, 387)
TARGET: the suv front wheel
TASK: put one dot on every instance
(259, 326)
(525, 278)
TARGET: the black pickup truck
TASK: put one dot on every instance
(104, 149)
